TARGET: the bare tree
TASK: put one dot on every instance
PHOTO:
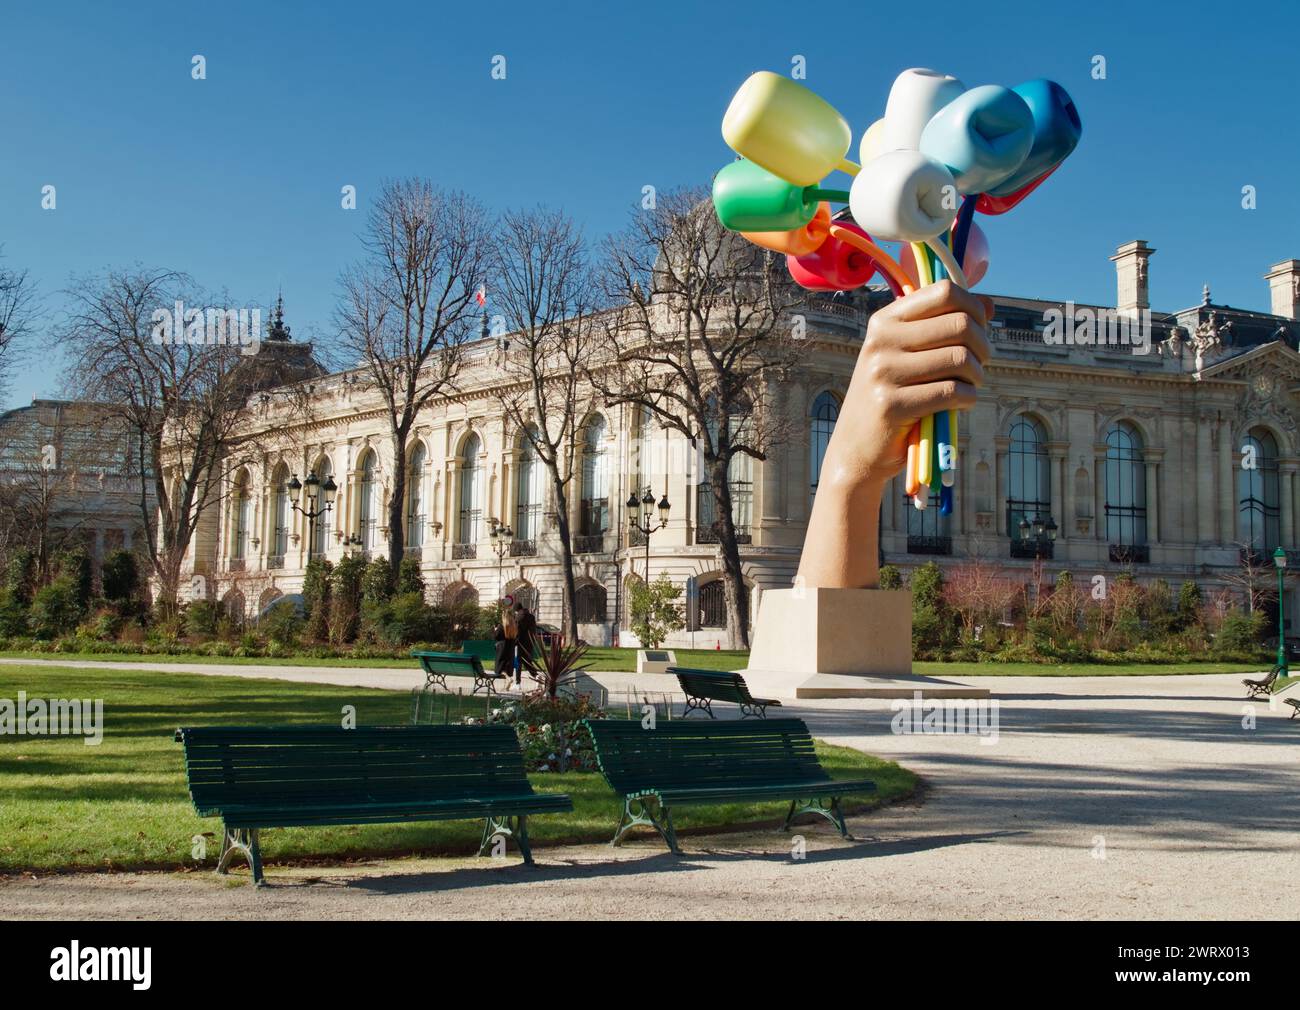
(1254, 578)
(541, 285)
(407, 310)
(17, 307)
(979, 592)
(184, 399)
(703, 340)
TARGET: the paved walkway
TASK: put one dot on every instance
(1102, 797)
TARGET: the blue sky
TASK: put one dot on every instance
(236, 178)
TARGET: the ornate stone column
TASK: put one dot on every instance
(449, 504)
(1099, 531)
(1154, 457)
(1203, 474)
(1286, 491)
(1226, 519)
(1001, 445)
(1059, 493)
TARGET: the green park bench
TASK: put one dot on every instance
(438, 666)
(1263, 686)
(256, 777)
(1295, 706)
(703, 687)
(485, 650)
(681, 763)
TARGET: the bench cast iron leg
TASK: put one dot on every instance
(241, 841)
(698, 705)
(524, 848)
(507, 827)
(748, 710)
(640, 811)
(832, 813)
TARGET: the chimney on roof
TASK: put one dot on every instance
(1130, 261)
(1284, 288)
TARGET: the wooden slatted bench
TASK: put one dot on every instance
(438, 666)
(256, 777)
(702, 687)
(1295, 706)
(1262, 687)
(681, 763)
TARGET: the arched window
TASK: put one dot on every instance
(825, 412)
(324, 523)
(740, 482)
(595, 480)
(643, 464)
(281, 516)
(416, 510)
(631, 582)
(740, 477)
(242, 515)
(460, 594)
(368, 512)
(235, 606)
(1258, 492)
(471, 491)
(525, 593)
(713, 604)
(530, 492)
(1029, 475)
(589, 604)
(1126, 487)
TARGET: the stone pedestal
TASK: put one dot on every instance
(839, 643)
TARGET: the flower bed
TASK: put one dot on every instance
(550, 731)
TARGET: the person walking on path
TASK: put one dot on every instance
(528, 638)
(506, 636)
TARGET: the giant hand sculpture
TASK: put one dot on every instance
(923, 354)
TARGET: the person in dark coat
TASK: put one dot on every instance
(528, 639)
(506, 635)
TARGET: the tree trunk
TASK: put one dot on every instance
(396, 501)
(167, 570)
(566, 560)
(733, 579)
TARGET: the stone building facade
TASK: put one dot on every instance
(1168, 456)
(68, 477)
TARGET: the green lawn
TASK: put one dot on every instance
(123, 804)
(1075, 669)
(607, 659)
(624, 660)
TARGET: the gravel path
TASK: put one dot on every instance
(1195, 815)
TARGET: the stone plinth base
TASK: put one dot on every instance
(837, 685)
(839, 643)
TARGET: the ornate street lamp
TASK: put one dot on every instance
(642, 519)
(1041, 533)
(501, 537)
(313, 491)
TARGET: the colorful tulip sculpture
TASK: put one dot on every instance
(937, 141)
